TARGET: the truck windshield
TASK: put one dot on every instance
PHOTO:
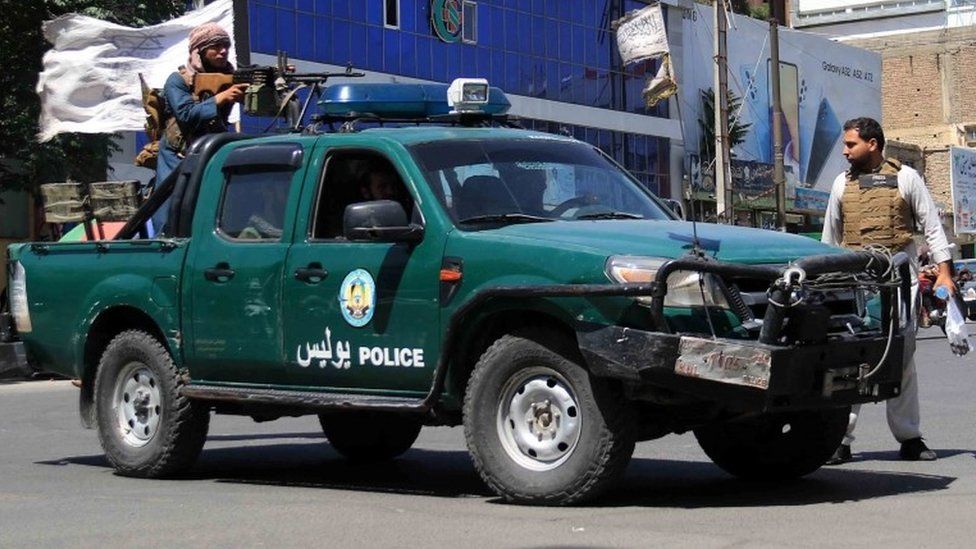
(492, 181)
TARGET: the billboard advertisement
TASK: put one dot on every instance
(962, 181)
(822, 84)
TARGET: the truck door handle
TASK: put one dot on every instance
(219, 273)
(313, 274)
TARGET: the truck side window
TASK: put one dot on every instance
(253, 204)
(352, 177)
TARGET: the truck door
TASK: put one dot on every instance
(241, 234)
(360, 315)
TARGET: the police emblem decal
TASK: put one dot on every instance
(357, 298)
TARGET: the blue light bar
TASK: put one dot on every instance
(398, 101)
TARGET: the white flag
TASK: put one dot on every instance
(90, 81)
(641, 35)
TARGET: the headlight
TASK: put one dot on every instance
(18, 299)
(684, 288)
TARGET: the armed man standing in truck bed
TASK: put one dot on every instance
(886, 212)
(188, 116)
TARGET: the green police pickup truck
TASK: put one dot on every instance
(457, 272)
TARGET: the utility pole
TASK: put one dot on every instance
(723, 182)
(779, 175)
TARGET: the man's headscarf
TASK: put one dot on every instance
(201, 38)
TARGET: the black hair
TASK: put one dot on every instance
(867, 129)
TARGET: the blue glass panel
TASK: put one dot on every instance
(580, 77)
(495, 35)
(391, 51)
(524, 33)
(538, 88)
(497, 74)
(357, 45)
(423, 17)
(408, 16)
(340, 8)
(512, 70)
(357, 9)
(539, 7)
(590, 46)
(452, 62)
(523, 5)
(551, 38)
(263, 29)
(305, 6)
(640, 153)
(483, 63)
(305, 38)
(374, 49)
(408, 54)
(604, 49)
(468, 64)
(374, 11)
(323, 40)
(438, 59)
(423, 57)
(537, 31)
(340, 43)
(323, 7)
(552, 80)
(286, 4)
(565, 42)
(286, 30)
(511, 30)
(566, 82)
(564, 10)
(579, 44)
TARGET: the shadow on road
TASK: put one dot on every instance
(662, 483)
(450, 474)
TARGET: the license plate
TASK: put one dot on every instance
(725, 363)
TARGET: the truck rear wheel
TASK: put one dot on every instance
(146, 427)
(370, 436)
(775, 446)
(540, 428)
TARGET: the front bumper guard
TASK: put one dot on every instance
(748, 374)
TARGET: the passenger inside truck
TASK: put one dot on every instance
(352, 177)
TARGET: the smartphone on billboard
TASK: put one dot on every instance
(758, 143)
(825, 135)
(789, 96)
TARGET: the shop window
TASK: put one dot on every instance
(391, 14)
(469, 22)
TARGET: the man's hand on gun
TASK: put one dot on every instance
(233, 94)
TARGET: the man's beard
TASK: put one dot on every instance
(860, 166)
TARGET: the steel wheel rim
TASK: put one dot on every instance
(539, 419)
(138, 404)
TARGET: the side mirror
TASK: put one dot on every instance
(379, 221)
(675, 206)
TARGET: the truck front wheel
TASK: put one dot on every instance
(370, 436)
(146, 427)
(775, 446)
(540, 428)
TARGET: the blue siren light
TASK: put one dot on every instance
(412, 101)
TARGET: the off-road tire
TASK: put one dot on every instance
(370, 436)
(179, 427)
(775, 446)
(602, 442)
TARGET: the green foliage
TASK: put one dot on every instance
(25, 163)
(737, 130)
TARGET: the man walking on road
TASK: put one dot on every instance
(886, 212)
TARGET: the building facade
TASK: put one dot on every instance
(556, 60)
(929, 72)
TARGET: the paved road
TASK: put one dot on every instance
(279, 484)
